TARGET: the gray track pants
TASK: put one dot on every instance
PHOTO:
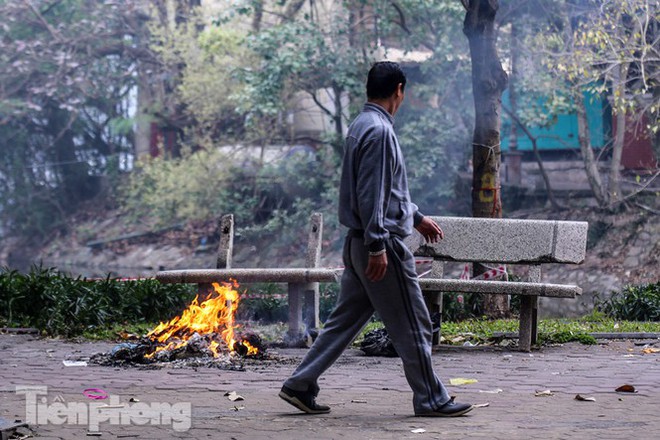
(398, 300)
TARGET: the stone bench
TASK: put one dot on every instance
(507, 241)
(528, 242)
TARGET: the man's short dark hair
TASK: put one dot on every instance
(383, 79)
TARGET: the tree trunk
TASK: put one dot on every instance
(258, 15)
(513, 158)
(617, 147)
(73, 179)
(338, 119)
(488, 82)
(590, 162)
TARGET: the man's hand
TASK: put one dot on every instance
(430, 230)
(376, 267)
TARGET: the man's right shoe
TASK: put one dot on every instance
(303, 400)
(449, 409)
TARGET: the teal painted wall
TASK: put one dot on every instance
(563, 134)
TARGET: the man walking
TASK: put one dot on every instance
(379, 272)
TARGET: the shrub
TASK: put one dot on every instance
(62, 305)
(461, 306)
(271, 304)
(268, 306)
(633, 303)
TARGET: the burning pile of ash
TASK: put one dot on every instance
(195, 353)
(204, 335)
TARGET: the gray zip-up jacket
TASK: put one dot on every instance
(373, 195)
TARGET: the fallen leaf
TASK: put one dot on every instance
(418, 431)
(68, 363)
(584, 399)
(461, 381)
(544, 393)
(626, 389)
(495, 391)
(128, 336)
(650, 350)
(481, 405)
(231, 395)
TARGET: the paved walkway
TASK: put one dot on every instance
(369, 396)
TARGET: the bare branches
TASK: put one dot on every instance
(402, 17)
(539, 161)
(637, 191)
(43, 21)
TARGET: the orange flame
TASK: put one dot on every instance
(213, 316)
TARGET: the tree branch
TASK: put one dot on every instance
(320, 105)
(634, 193)
(537, 156)
(43, 21)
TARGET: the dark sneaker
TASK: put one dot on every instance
(449, 409)
(303, 400)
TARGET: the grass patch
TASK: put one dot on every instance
(550, 330)
(115, 331)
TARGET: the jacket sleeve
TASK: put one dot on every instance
(374, 186)
(417, 216)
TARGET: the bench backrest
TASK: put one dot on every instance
(505, 241)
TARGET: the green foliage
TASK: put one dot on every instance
(274, 199)
(168, 191)
(207, 58)
(271, 305)
(64, 83)
(299, 59)
(601, 47)
(549, 330)
(633, 303)
(268, 308)
(458, 307)
(115, 331)
(62, 305)
(567, 336)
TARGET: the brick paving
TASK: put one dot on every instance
(369, 396)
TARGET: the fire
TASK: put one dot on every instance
(213, 316)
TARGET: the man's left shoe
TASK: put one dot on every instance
(303, 400)
(449, 409)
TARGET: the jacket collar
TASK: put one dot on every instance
(370, 106)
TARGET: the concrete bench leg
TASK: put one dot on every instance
(434, 299)
(312, 260)
(296, 292)
(312, 306)
(529, 307)
(528, 316)
(433, 302)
